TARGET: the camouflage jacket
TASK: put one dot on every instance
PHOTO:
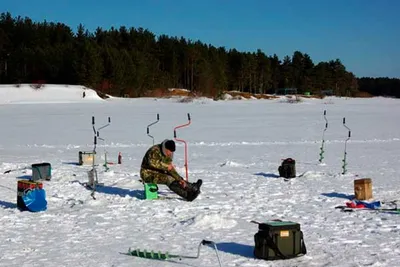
(155, 160)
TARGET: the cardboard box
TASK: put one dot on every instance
(86, 157)
(363, 189)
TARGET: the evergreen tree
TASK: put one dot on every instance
(133, 61)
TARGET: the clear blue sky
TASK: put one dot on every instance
(364, 34)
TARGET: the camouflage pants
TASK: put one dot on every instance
(150, 176)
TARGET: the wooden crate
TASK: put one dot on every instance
(363, 189)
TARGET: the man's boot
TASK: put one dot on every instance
(196, 186)
(189, 192)
(176, 187)
(194, 190)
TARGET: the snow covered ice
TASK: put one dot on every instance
(235, 146)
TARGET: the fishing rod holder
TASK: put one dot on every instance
(151, 124)
(92, 174)
(344, 170)
(321, 154)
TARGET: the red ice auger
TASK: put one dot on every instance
(183, 141)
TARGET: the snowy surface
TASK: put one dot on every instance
(235, 146)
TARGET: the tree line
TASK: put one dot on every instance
(131, 61)
(380, 86)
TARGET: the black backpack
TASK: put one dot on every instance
(287, 168)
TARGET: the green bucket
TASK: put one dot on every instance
(150, 191)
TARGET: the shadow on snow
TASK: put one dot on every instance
(267, 175)
(338, 195)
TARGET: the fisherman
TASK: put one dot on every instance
(157, 168)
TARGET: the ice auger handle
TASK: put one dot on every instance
(207, 242)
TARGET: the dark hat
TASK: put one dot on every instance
(170, 145)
